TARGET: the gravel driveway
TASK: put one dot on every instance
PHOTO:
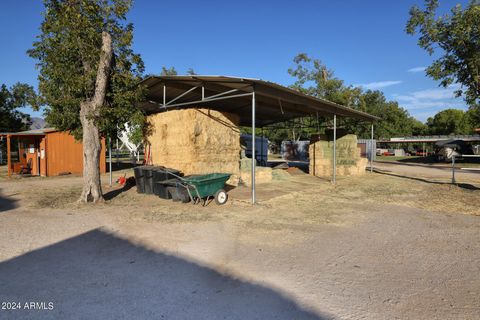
(317, 254)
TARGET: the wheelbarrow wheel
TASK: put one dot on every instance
(221, 197)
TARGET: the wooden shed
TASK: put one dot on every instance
(46, 152)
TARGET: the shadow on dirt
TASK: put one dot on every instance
(425, 160)
(466, 186)
(130, 183)
(7, 202)
(97, 275)
(122, 165)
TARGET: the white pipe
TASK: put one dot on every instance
(371, 151)
(334, 148)
(253, 148)
(110, 159)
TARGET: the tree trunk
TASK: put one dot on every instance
(89, 111)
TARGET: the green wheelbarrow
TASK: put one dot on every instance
(204, 187)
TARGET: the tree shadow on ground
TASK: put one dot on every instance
(130, 183)
(97, 275)
(122, 165)
(420, 159)
(432, 160)
(466, 186)
(7, 203)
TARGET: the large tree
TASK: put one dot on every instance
(455, 39)
(17, 96)
(450, 121)
(88, 75)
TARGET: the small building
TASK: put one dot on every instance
(45, 152)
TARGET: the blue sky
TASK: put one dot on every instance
(362, 41)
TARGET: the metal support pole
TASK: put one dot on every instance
(261, 148)
(203, 93)
(110, 159)
(253, 148)
(371, 151)
(334, 148)
(164, 95)
(453, 169)
(9, 156)
(116, 153)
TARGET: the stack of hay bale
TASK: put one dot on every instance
(262, 174)
(349, 161)
(195, 141)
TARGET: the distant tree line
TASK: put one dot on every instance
(313, 78)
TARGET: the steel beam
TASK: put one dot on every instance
(371, 151)
(334, 148)
(110, 160)
(182, 95)
(164, 95)
(253, 148)
(9, 156)
(203, 101)
(222, 94)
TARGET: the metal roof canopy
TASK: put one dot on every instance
(33, 132)
(256, 102)
(274, 103)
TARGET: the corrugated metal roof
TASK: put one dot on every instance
(274, 102)
(42, 131)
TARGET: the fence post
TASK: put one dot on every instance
(453, 169)
(110, 160)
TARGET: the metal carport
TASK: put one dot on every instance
(257, 102)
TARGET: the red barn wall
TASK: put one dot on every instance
(65, 154)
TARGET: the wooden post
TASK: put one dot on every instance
(9, 164)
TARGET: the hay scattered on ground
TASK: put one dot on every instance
(55, 198)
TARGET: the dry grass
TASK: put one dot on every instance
(55, 198)
(301, 201)
(431, 196)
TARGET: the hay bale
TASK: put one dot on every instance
(262, 174)
(195, 141)
(280, 175)
(349, 161)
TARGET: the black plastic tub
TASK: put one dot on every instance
(162, 174)
(178, 193)
(139, 179)
(148, 177)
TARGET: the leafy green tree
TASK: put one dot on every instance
(168, 71)
(315, 79)
(450, 121)
(472, 118)
(88, 75)
(19, 95)
(173, 72)
(455, 39)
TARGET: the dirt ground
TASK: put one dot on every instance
(388, 245)
(431, 172)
